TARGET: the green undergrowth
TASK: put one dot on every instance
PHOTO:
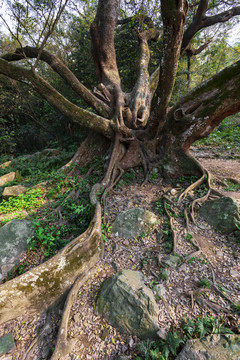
(226, 136)
(65, 214)
(32, 170)
(32, 199)
(176, 338)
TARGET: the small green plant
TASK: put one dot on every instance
(231, 186)
(159, 207)
(29, 201)
(106, 229)
(204, 283)
(176, 338)
(191, 260)
(236, 308)
(164, 275)
(153, 176)
(189, 236)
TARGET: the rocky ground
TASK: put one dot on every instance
(187, 284)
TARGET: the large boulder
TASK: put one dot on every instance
(13, 191)
(13, 241)
(223, 213)
(133, 222)
(129, 305)
(7, 177)
(214, 347)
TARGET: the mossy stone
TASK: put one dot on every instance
(214, 347)
(7, 344)
(129, 305)
(222, 214)
(134, 222)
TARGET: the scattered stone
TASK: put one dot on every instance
(126, 242)
(13, 241)
(160, 290)
(219, 253)
(5, 164)
(6, 268)
(51, 152)
(162, 333)
(214, 347)
(134, 222)
(183, 267)
(7, 344)
(173, 192)
(76, 318)
(13, 191)
(170, 260)
(222, 213)
(7, 177)
(129, 305)
(130, 343)
(124, 348)
(234, 273)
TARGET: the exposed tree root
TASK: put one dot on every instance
(54, 277)
(63, 345)
(174, 233)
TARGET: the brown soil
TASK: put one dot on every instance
(217, 261)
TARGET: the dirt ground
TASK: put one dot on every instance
(207, 255)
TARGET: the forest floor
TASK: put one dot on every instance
(189, 290)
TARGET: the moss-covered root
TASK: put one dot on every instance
(63, 345)
(44, 285)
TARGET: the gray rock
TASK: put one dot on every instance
(223, 214)
(7, 344)
(6, 268)
(13, 239)
(133, 222)
(7, 177)
(13, 191)
(214, 347)
(51, 152)
(122, 357)
(160, 291)
(129, 305)
(170, 260)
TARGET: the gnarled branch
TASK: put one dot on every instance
(73, 112)
(59, 67)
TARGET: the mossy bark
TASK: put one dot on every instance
(42, 286)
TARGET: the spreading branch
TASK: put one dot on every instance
(201, 21)
(59, 67)
(73, 112)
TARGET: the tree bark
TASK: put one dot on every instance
(75, 113)
(196, 115)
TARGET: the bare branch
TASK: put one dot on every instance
(201, 21)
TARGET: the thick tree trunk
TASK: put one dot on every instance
(195, 116)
